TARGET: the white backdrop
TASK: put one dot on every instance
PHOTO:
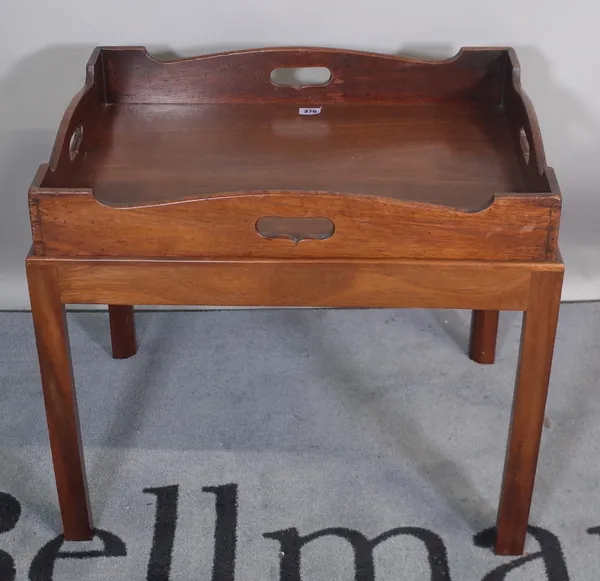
(44, 46)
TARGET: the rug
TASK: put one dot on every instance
(299, 445)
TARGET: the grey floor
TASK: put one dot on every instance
(268, 426)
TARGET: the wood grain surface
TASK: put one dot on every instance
(440, 154)
(511, 228)
(531, 388)
(317, 283)
(122, 331)
(484, 333)
(197, 181)
(60, 399)
(132, 76)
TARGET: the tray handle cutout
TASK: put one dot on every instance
(301, 77)
(524, 141)
(295, 229)
(75, 141)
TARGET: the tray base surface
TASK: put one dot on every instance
(454, 155)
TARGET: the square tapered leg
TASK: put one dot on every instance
(529, 403)
(60, 400)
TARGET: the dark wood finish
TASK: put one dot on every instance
(419, 184)
(288, 283)
(122, 331)
(205, 160)
(85, 109)
(484, 331)
(60, 399)
(488, 78)
(132, 76)
(524, 126)
(533, 374)
(511, 228)
(154, 153)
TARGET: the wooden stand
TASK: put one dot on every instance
(199, 182)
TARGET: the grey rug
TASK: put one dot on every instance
(299, 445)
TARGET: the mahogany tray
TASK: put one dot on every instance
(394, 183)
(407, 143)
